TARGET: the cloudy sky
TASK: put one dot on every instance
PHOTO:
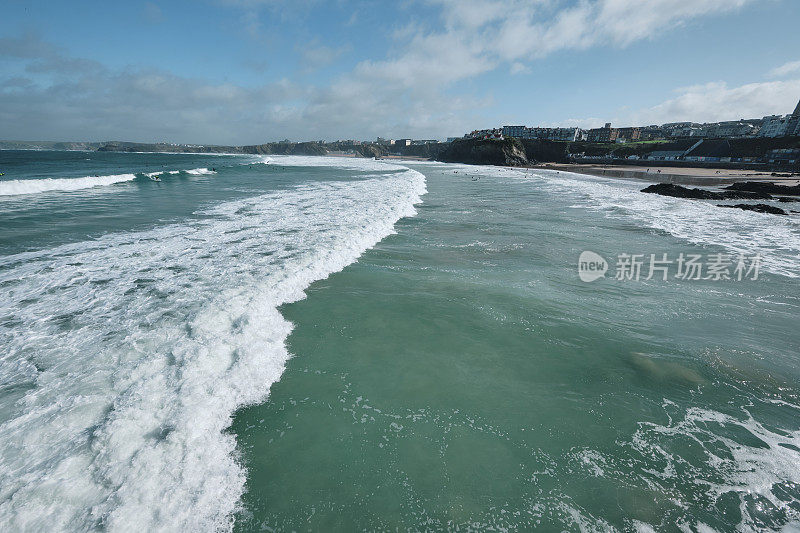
(250, 71)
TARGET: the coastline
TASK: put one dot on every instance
(685, 176)
(696, 176)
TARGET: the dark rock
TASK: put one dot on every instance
(765, 187)
(308, 148)
(541, 150)
(372, 150)
(677, 191)
(429, 150)
(787, 200)
(505, 152)
(759, 208)
(669, 189)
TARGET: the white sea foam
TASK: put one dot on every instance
(17, 187)
(200, 171)
(350, 163)
(775, 238)
(741, 457)
(34, 186)
(126, 356)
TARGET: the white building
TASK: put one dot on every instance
(776, 126)
(664, 155)
(550, 134)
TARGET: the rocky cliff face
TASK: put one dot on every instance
(677, 191)
(372, 150)
(540, 150)
(308, 148)
(117, 146)
(48, 145)
(508, 152)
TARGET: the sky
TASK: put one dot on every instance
(253, 71)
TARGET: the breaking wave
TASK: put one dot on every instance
(17, 187)
(125, 357)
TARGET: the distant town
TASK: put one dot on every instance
(767, 143)
(769, 126)
(757, 141)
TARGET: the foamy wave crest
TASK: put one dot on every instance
(735, 458)
(776, 239)
(200, 171)
(192, 171)
(16, 187)
(350, 163)
(128, 355)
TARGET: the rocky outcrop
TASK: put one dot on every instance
(677, 191)
(371, 150)
(765, 187)
(506, 152)
(429, 150)
(118, 146)
(541, 150)
(308, 149)
(758, 208)
(48, 145)
(282, 148)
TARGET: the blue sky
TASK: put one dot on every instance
(250, 71)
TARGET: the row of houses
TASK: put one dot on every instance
(769, 126)
(550, 134)
(493, 133)
(405, 142)
(711, 151)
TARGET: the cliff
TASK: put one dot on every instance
(119, 146)
(506, 152)
(307, 148)
(48, 145)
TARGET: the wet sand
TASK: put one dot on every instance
(677, 175)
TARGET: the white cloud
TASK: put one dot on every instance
(584, 123)
(413, 91)
(152, 13)
(710, 102)
(316, 55)
(516, 30)
(784, 70)
(717, 101)
(519, 68)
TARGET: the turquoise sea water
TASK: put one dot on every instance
(332, 344)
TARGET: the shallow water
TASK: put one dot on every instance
(394, 346)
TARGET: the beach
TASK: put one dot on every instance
(677, 175)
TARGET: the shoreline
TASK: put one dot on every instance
(697, 176)
(686, 176)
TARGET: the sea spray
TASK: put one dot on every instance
(33, 186)
(159, 337)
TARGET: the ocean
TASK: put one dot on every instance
(286, 343)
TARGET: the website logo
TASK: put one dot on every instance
(591, 266)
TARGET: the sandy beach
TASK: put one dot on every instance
(677, 175)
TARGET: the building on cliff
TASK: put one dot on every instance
(605, 134)
(549, 134)
(776, 126)
(494, 133)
